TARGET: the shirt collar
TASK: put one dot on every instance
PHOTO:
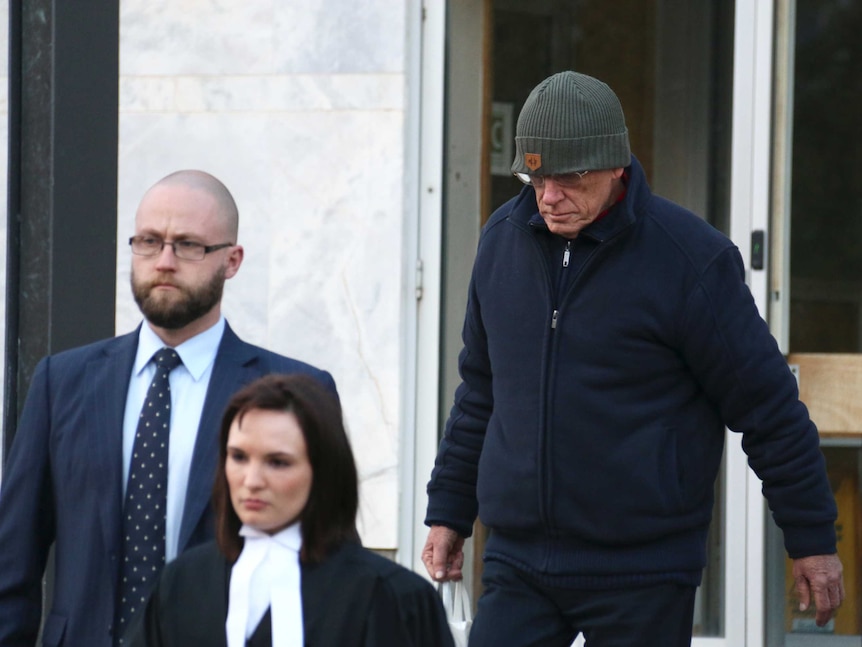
(290, 537)
(620, 198)
(197, 353)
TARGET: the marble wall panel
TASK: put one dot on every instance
(340, 36)
(262, 93)
(212, 37)
(342, 216)
(318, 177)
(218, 37)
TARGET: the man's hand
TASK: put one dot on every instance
(819, 575)
(443, 554)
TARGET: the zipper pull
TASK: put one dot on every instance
(554, 319)
(567, 253)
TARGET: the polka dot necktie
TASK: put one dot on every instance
(146, 494)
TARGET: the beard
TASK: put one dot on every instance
(173, 312)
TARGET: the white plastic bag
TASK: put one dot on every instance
(459, 612)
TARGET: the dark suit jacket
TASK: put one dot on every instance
(62, 483)
(354, 598)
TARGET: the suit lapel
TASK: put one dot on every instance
(107, 384)
(230, 372)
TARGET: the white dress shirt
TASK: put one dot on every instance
(189, 383)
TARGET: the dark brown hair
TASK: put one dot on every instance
(329, 517)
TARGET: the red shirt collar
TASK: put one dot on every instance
(619, 199)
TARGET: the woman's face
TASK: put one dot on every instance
(267, 469)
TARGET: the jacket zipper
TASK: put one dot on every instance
(545, 486)
(541, 449)
(567, 254)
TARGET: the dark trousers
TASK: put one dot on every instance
(516, 611)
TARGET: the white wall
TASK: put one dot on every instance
(299, 108)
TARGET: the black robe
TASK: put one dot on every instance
(353, 598)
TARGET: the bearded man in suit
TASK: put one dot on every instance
(65, 480)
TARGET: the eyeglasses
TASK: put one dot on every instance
(566, 180)
(187, 250)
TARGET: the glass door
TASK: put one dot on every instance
(816, 285)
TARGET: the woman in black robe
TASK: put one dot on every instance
(286, 473)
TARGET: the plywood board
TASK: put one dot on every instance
(831, 387)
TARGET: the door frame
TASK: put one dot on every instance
(421, 271)
(749, 212)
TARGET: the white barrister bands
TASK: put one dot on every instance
(266, 574)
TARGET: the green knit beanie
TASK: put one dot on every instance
(571, 122)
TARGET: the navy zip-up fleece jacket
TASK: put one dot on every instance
(588, 429)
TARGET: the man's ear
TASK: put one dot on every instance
(234, 260)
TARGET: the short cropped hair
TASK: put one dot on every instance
(329, 517)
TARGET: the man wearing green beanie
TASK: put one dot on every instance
(609, 339)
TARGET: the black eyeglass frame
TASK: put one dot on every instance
(190, 245)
